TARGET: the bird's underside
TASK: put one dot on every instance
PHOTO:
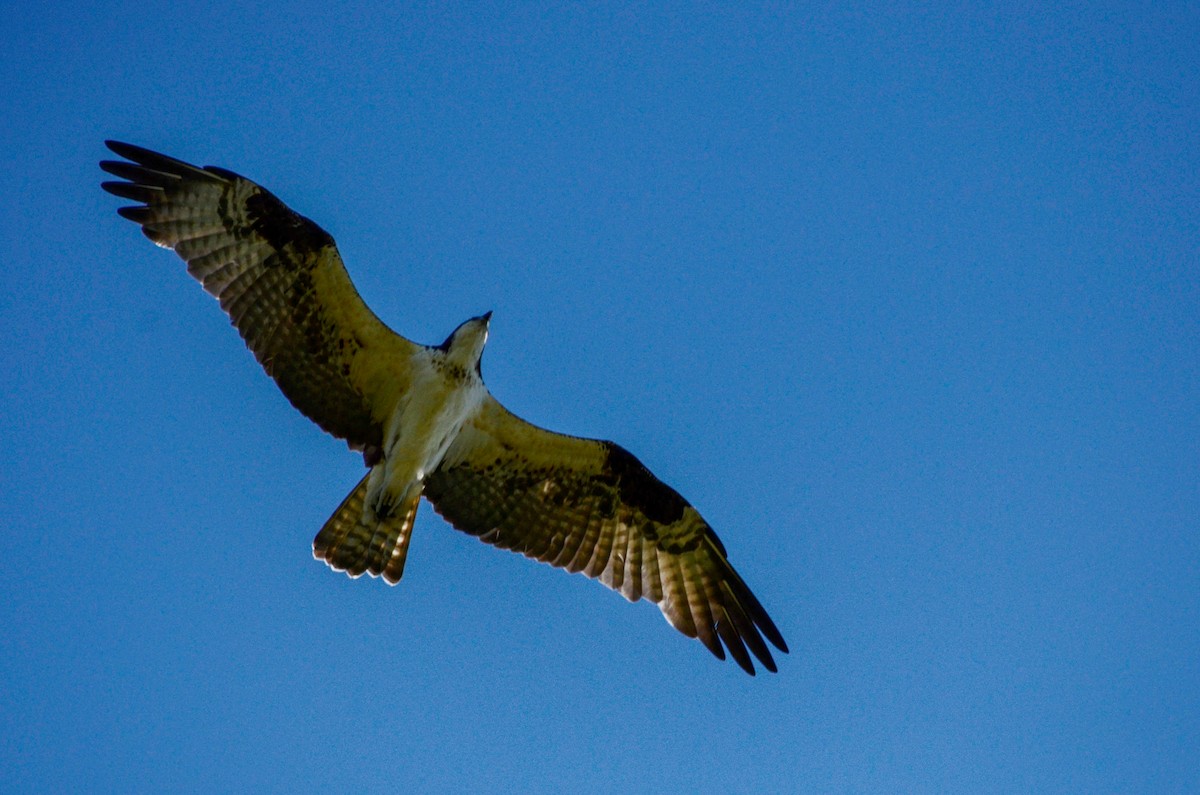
(425, 422)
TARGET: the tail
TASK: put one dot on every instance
(355, 543)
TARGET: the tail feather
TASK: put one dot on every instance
(353, 543)
(388, 546)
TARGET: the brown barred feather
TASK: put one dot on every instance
(590, 506)
(279, 277)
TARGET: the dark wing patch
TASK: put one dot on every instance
(589, 506)
(281, 281)
(281, 227)
(639, 488)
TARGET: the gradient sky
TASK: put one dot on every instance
(904, 299)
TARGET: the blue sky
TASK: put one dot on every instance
(903, 298)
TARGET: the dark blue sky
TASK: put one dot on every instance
(904, 299)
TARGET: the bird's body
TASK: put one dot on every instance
(445, 391)
(424, 421)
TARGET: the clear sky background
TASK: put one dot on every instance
(904, 299)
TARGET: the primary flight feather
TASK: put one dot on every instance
(424, 421)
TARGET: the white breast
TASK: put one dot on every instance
(428, 417)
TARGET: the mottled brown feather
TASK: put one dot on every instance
(281, 281)
(591, 506)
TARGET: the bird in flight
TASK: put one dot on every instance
(424, 421)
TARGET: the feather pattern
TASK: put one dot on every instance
(281, 281)
(589, 506)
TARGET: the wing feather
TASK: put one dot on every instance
(280, 279)
(601, 552)
(632, 589)
(680, 609)
(589, 506)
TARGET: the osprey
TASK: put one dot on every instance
(424, 421)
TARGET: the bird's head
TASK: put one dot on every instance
(465, 345)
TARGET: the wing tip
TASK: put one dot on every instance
(154, 165)
(139, 215)
(135, 153)
(120, 147)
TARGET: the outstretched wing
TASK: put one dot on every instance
(281, 281)
(590, 506)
